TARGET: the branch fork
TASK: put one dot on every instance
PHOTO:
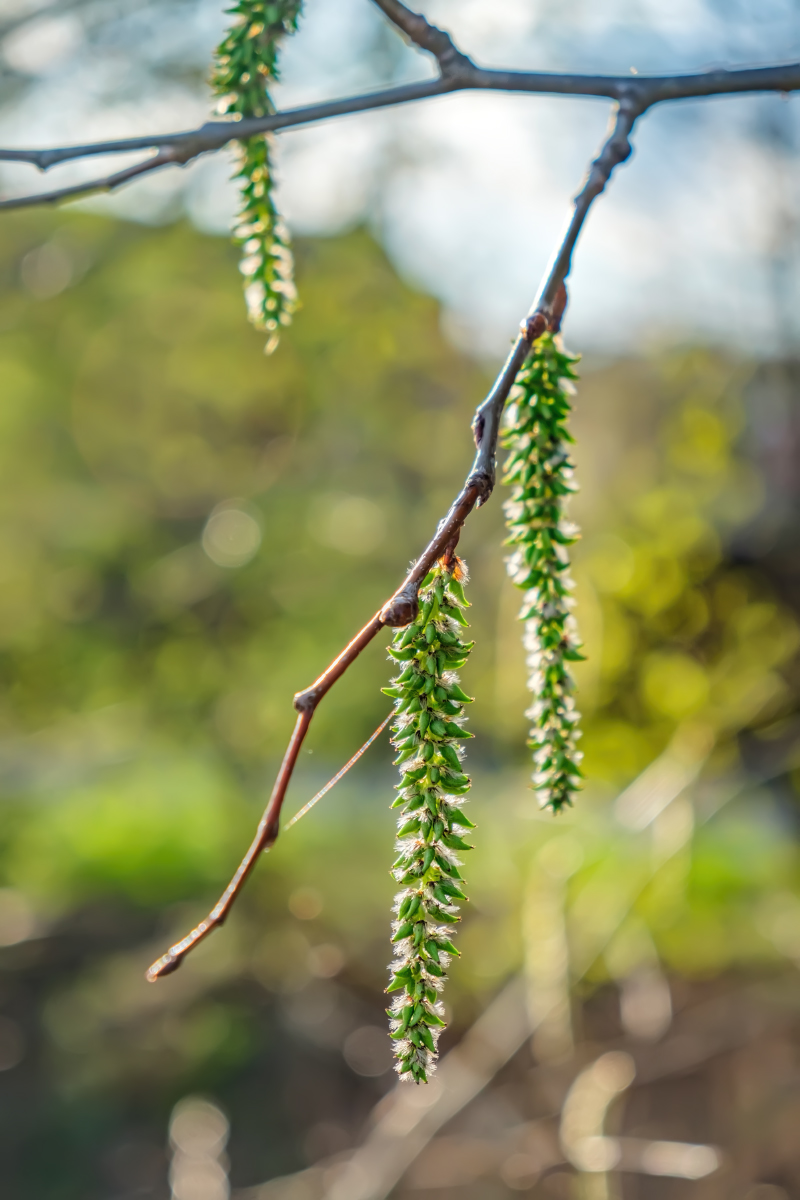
(454, 66)
(457, 72)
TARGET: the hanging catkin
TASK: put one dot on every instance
(540, 470)
(244, 67)
(427, 732)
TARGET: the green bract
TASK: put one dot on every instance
(429, 707)
(540, 469)
(245, 64)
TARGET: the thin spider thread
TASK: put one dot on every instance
(331, 782)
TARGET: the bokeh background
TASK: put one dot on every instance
(189, 532)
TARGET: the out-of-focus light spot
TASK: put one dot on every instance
(17, 921)
(674, 684)
(198, 1134)
(367, 1051)
(596, 1154)
(679, 1159)
(351, 524)
(613, 1072)
(12, 1044)
(584, 1111)
(46, 271)
(232, 535)
(305, 903)
(778, 919)
(325, 960)
(39, 44)
(645, 1004)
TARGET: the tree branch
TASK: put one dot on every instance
(459, 73)
(402, 608)
(548, 308)
(427, 37)
(399, 610)
(164, 158)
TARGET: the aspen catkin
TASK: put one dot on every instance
(427, 732)
(540, 470)
(244, 66)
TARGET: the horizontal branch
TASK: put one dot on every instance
(459, 73)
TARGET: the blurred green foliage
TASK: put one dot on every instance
(137, 402)
(687, 636)
(190, 532)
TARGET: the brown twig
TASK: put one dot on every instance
(547, 309)
(402, 607)
(399, 610)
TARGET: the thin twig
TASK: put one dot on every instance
(399, 610)
(436, 41)
(402, 607)
(547, 309)
(460, 74)
(164, 158)
(266, 834)
(171, 960)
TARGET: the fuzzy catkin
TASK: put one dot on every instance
(244, 66)
(540, 470)
(427, 732)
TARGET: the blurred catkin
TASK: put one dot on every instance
(246, 63)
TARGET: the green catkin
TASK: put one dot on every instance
(540, 470)
(429, 708)
(244, 66)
